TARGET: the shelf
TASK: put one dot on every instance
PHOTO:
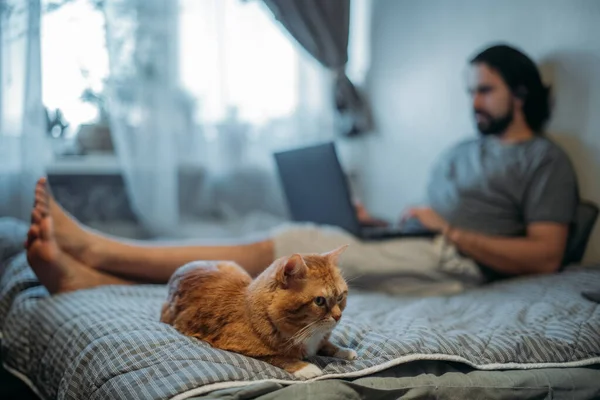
(90, 164)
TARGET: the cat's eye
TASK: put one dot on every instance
(340, 298)
(320, 301)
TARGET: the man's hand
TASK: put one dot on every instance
(365, 218)
(361, 212)
(429, 218)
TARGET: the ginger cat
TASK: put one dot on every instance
(284, 315)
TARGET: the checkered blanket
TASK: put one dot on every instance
(108, 343)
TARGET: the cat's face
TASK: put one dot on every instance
(309, 295)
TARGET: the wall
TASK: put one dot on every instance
(419, 54)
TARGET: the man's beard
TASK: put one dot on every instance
(494, 126)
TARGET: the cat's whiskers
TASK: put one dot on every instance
(300, 339)
(350, 280)
(307, 332)
(301, 335)
(301, 332)
(355, 286)
(354, 278)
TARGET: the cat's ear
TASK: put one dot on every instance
(334, 255)
(291, 268)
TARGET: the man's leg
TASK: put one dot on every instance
(146, 262)
(156, 263)
(411, 266)
(55, 269)
(411, 262)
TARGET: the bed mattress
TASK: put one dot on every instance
(108, 343)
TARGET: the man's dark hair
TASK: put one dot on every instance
(521, 75)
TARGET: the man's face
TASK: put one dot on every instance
(493, 103)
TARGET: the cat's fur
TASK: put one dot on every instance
(276, 317)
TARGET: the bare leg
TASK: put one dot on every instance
(55, 269)
(142, 261)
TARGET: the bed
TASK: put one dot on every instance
(527, 338)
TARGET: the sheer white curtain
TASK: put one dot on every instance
(23, 145)
(201, 93)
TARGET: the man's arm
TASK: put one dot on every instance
(539, 252)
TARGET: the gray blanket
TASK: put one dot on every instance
(107, 342)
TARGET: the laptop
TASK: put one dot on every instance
(317, 191)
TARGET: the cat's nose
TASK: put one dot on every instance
(336, 317)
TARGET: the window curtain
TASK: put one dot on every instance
(141, 95)
(321, 27)
(200, 94)
(23, 144)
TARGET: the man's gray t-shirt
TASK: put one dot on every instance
(488, 186)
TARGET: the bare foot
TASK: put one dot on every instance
(55, 269)
(70, 236)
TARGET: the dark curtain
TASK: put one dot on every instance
(322, 28)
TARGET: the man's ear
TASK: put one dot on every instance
(521, 93)
(292, 268)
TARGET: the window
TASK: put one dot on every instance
(232, 56)
(74, 60)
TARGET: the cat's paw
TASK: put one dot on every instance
(346, 354)
(308, 371)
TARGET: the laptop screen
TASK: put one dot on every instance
(316, 187)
